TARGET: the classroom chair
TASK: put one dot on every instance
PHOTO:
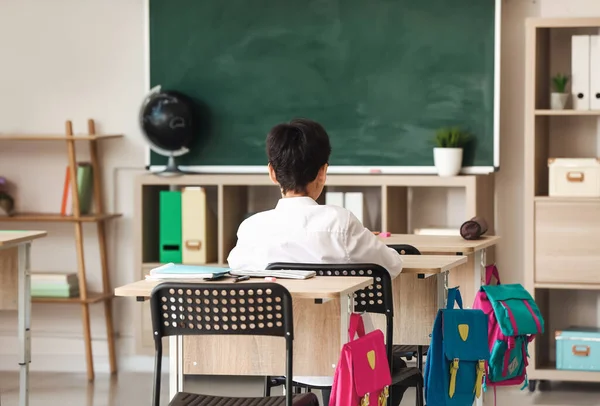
(376, 298)
(174, 312)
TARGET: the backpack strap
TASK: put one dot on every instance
(491, 270)
(454, 297)
(356, 326)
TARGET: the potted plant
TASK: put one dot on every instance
(448, 154)
(559, 97)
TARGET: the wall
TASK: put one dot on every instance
(70, 59)
(78, 59)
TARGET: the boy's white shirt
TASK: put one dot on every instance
(299, 230)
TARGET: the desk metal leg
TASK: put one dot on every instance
(442, 289)
(479, 269)
(24, 270)
(175, 365)
(479, 275)
(346, 308)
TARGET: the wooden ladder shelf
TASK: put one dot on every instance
(86, 297)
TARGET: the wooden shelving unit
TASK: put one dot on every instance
(561, 233)
(100, 217)
(232, 196)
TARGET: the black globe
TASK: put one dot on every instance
(167, 120)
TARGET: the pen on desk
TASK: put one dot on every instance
(241, 278)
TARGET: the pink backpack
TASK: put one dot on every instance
(513, 321)
(362, 375)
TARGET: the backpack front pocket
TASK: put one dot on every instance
(506, 363)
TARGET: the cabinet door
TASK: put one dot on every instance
(567, 241)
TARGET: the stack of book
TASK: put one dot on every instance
(56, 285)
(178, 271)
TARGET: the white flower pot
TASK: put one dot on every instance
(558, 101)
(448, 161)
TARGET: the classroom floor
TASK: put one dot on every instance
(134, 389)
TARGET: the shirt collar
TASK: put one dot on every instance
(295, 202)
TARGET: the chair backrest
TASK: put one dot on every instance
(221, 309)
(375, 298)
(405, 249)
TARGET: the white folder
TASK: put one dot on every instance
(198, 228)
(595, 72)
(355, 202)
(580, 71)
(334, 199)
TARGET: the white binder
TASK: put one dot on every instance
(355, 202)
(334, 199)
(580, 71)
(595, 72)
(198, 228)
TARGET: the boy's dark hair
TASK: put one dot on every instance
(296, 151)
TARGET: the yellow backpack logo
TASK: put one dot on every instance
(371, 359)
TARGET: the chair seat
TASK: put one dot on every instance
(408, 376)
(404, 349)
(191, 399)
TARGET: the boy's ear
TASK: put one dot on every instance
(323, 173)
(272, 174)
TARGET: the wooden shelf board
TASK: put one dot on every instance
(550, 373)
(561, 22)
(56, 137)
(566, 199)
(567, 286)
(93, 297)
(52, 217)
(567, 112)
(362, 181)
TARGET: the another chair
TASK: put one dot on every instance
(409, 351)
(176, 310)
(376, 298)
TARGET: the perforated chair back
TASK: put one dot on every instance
(376, 298)
(258, 309)
(405, 249)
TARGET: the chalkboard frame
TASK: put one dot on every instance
(337, 169)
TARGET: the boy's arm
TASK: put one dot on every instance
(240, 256)
(364, 247)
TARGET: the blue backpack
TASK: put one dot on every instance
(456, 361)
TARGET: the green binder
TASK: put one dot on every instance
(85, 186)
(170, 227)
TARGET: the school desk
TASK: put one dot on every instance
(320, 328)
(15, 294)
(469, 276)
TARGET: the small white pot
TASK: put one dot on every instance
(448, 161)
(558, 101)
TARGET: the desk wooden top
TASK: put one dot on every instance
(9, 237)
(442, 243)
(428, 264)
(313, 288)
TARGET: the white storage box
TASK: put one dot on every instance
(575, 177)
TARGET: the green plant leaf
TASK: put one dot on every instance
(559, 82)
(451, 137)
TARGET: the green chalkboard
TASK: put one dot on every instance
(380, 75)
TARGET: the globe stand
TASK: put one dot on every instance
(172, 169)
